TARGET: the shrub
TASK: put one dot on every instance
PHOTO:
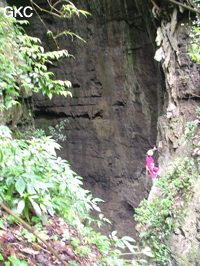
(34, 179)
(173, 191)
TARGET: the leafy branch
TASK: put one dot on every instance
(23, 65)
(34, 180)
(65, 11)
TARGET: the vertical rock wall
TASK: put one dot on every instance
(118, 94)
(182, 80)
(123, 101)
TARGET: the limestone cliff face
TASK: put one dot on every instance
(181, 79)
(133, 86)
(124, 101)
(118, 93)
(182, 83)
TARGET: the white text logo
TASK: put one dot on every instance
(18, 11)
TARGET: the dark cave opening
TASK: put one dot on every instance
(108, 135)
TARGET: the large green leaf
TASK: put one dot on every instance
(20, 185)
(20, 206)
(36, 207)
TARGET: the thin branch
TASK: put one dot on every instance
(44, 10)
(195, 95)
(56, 3)
(153, 2)
(38, 15)
(57, 13)
(185, 6)
(32, 3)
(52, 7)
(30, 229)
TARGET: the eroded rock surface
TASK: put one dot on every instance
(123, 99)
(118, 93)
(182, 82)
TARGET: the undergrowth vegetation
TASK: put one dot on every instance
(195, 37)
(172, 191)
(34, 179)
(35, 182)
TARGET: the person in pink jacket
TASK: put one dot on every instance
(150, 167)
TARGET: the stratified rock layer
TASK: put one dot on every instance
(118, 94)
(124, 101)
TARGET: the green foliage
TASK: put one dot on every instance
(61, 9)
(29, 133)
(73, 263)
(13, 261)
(33, 178)
(29, 236)
(82, 250)
(195, 38)
(173, 191)
(191, 134)
(110, 246)
(23, 65)
(17, 262)
(156, 216)
(56, 132)
(2, 222)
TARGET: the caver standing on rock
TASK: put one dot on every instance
(150, 167)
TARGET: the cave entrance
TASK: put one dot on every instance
(117, 97)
